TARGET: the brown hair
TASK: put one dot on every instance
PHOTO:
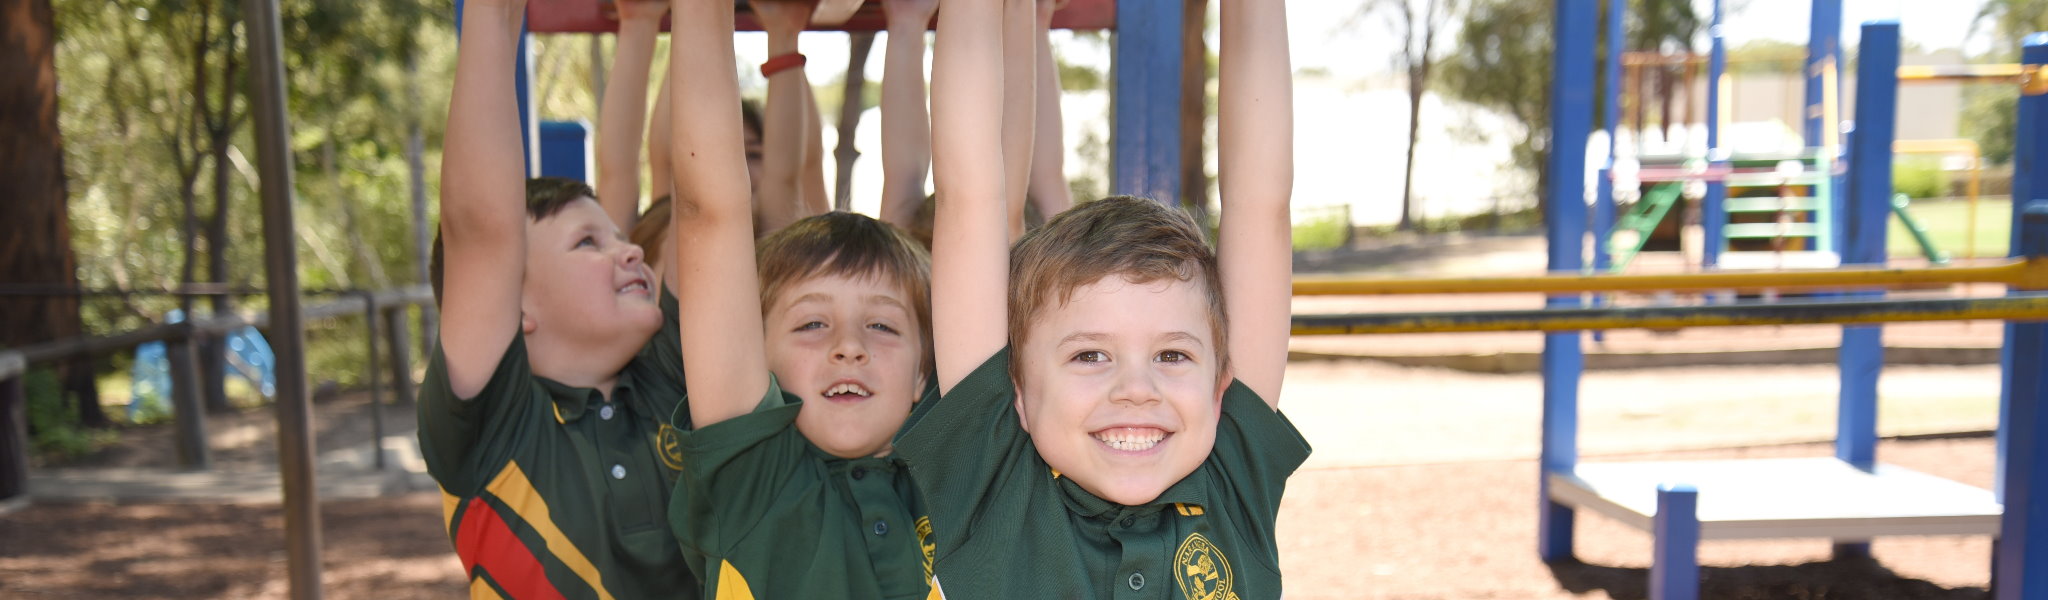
(850, 245)
(545, 196)
(1138, 239)
(650, 229)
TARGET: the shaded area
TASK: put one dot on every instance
(1809, 581)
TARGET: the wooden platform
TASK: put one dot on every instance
(1786, 497)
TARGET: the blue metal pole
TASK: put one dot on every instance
(1867, 220)
(1564, 221)
(1603, 202)
(1861, 358)
(1823, 45)
(1675, 565)
(1713, 212)
(1146, 136)
(2020, 561)
(522, 83)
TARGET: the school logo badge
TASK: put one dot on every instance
(670, 443)
(1202, 571)
(924, 536)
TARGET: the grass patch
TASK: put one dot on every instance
(1948, 224)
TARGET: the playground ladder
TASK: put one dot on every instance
(1800, 202)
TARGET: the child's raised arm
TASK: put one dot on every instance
(970, 241)
(660, 181)
(483, 199)
(1020, 102)
(1049, 146)
(906, 126)
(784, 121)
(625, 110)
(723, 352)
(1255, 171)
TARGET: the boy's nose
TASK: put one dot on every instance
(848, 349)
(632, 255)
(1134, 386)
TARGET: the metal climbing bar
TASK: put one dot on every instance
(2031, 307)
(2024, 273)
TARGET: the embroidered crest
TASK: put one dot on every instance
(1202, 571)
(670, 443)
(924, 537)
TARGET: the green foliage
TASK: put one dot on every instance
(1503, 63)
(1990, 111)
(53, 424)
(1326, 231)
(1768, 57)
(1920, 177)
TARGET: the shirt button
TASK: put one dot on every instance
(859, 473)
(605, 413)
(618, 471)
(1137, 581)
(1127, 523)
(881, 528)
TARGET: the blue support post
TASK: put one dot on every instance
(1713, 208)
(522, 83)
(2020, 561)
(1603, 199)
(1146, 137)
(1823, 45)
(565, 150)
(1675, 565)
(1861, 358)
(1564, 223)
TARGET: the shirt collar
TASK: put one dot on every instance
(571, 402)
(1190, 491)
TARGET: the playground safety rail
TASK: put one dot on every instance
(381, 309)
(2025, 273)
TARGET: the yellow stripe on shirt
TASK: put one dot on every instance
(512, 488)
(731, 586)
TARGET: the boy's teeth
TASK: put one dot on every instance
(847, 388)
(1130, 439)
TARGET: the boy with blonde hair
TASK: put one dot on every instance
(1090, 440)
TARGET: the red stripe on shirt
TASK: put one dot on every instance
(484, 540)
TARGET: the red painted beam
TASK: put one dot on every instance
(590, 16)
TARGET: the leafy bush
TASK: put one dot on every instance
(53, 420)
(1327, 231)
(1920, 178)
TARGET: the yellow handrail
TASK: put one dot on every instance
(2017, 273)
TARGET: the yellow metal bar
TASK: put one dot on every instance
(1962, 73)
(2019, 274)
(2019, 308)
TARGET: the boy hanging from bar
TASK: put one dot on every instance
(1091, 440)
(545, 413)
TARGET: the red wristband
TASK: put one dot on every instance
(782, 62)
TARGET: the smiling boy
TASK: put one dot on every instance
(1090, 440)
(802, 370)
(544, 412)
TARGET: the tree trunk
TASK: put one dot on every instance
(1194, 111)
(37, 247)
(221, 130)
(1415, 89)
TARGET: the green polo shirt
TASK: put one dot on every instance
(769, 515)
(550, 490)
(1008, 527)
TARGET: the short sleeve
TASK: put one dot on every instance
(963, 447)
(734, 470)
(1256, 450)
(453, 430)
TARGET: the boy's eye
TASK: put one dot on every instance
(1091, 356)
(809, 325)
(883, 327)
(587, 241)
(1173, 356)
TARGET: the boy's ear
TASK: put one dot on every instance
(1022, 422)
(526, 323)
(1223, 380)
